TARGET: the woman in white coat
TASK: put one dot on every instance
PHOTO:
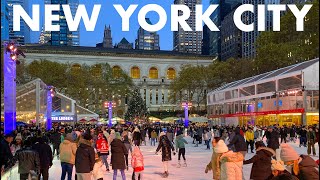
(230, 162)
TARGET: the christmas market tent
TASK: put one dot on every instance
(198, 119)
(169, 119)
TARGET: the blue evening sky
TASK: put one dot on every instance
(108, 15)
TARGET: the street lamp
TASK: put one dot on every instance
(186, 106)
(109, 105)
(50, 94)
(11, 54)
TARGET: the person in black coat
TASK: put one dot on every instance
(166, 146)
(45, 155)
(136, 137)
(303, 137)
(273, 141)
(239, 142)
(55, 139)
(85, 158)
(6, 156)
(283, 134)
(261, 167)
(118, 152)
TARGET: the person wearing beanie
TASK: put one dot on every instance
(68, 149)
(279, 172)
(166, 146)
(180, 148)
(17, 144)
(261, 161)
(214, 164)
(118, 154)
(303, 166)
(85, 157)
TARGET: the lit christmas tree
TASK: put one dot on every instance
(136, 108)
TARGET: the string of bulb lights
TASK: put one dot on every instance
(14, 52)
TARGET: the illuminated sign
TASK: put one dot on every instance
(62, 118)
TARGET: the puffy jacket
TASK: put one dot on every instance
(231, 165)
(137, 160)
(261, 167)
(118, 151)
(238, 141)
(249, 135)
(308, 168)
(68, 151)
(97, 171)
(28, 160)
(154, 134)
(85, 157)
(214, 165)
(180, 141)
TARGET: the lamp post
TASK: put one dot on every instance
(50, 95)
(186, 106)
(10, 59)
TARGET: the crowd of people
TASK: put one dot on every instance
(93, 149)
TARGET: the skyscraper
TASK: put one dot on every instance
(224, 8)
(22, 36)
(4, 20)
(147, 40)
(231, 38)
(107, 37)
(249, 38)
(206, 40)
(64, 37)
(188, 42)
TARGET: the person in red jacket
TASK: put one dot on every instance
(137, 163)
(102, 146)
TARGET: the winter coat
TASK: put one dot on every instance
(273, 141)
(137, 160)
(214, 165)
(6, 156)
(166, 147)
(238, 142)
(55, 139)
(28, 160)
(180, 141)
(284, 175)
(118, 151)
(283, 132)
(45, 154)
(261, 167)
(292, 132)
(85, 157)
(68, 151)
(303, 133)
(136, 136)
(249, 135)
(311, 137)
(231, 166)
(97, 171)
(170, 136)
(154, 134)
(308, 169)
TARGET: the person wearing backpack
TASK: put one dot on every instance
(103, 149)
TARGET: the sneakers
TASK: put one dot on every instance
(179, 165)
(185, 164)
(165, 174)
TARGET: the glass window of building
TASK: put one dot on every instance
(171, 73)
(153, 73)
(116, 71)
(135, 72)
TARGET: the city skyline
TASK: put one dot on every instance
(107, 10)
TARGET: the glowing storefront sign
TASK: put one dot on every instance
(62, 118)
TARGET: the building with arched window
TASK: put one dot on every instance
(151, 71)
(171, 73)
(135, 72)
(76, 66)
(116, 71)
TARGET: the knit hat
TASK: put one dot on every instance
(118, 136)
(19, 136)
(287, 153)
(69, 137)
(259, 144)
(277, 165)
(221, 147)
(87, 136)
(270, 127)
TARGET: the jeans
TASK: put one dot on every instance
(207, 142)
(104, 159)
(303, 141)
(66, 168)
(153, 141)
(115, 172)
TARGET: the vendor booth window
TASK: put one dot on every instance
(153, 73)
(135, 72)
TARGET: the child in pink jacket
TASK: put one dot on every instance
(137, 162)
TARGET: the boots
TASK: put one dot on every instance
(179, 165)
(185, 163)
(165, 174)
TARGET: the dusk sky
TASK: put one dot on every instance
(109, 16)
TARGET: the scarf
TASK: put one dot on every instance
(295, 166)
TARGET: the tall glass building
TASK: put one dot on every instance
(191, 41)
(4, 20)
(147, 40)
(23, 36)
(64, 37)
